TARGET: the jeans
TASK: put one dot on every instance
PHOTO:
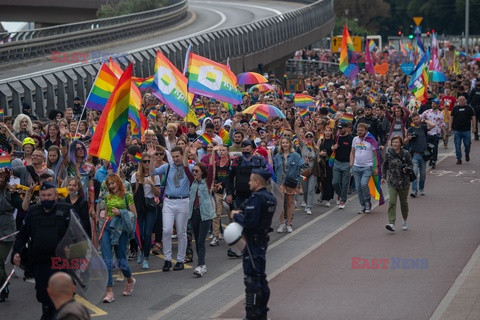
(392, 205)
(341, 179)
(175, 210)
(419, 167)
(362, 176)
(458, 136)
(328, 191)
(146, 221)
(308, 187)
(434, 140)
(120, 253)
(200, 230)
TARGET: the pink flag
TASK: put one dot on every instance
(435, 62)
(368, 60)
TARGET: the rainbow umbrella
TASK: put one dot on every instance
(264, 111)
(250, 78)
(262, 87)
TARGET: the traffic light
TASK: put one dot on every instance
(410, 36)
(428, 33)
(399, 33)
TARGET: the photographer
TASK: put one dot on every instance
(417, 142)
(397, 169)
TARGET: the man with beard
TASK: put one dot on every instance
(433, 136)
(373, 124)
(45, 226)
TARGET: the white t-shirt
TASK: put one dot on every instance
(363, 153)
(147, 188)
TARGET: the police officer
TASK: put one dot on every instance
(238, 190)
(45, 225)
(256, 219)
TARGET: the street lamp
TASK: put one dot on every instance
(346, 17)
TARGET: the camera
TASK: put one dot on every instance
(413, 135)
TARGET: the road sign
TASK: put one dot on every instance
(418, 30)
(417, 20)
(336, 44)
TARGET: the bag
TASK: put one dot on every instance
(290, 182)
(428, 153)
(411, 175)
(150, 203)
(307, 172)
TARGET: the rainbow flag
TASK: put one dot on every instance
(303, 101)
(102, 88)
(2, 113)
(369, 62)
(201, 116)
(374, 182)
(5, 161)
(115, 67)
(303, 112)
(137, 157)
(309, 146)
(331, 160)
(91, 130)
(211, 79)
(205, 139)
(229, 108)
(322, 87)
(143, 84)
(170, 86)
(333, 108)
(346, 117)
(224, 135)
(138, 122)
(295, 140)
(419, 81)
(347, 49)
(108, 141)
(371, 45)
(199, 106)
(152, 114)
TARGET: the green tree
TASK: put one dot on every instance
(367, 12)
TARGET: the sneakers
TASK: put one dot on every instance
(338, 200)
(109, 298)
(167, 266)
(120, 276)
(405, 225)
(233, 254)
(215, 242)
(327, 203)
(140, 258)
(362, 210)
(282, 228)
(422, 192)
(200, 271)
(341, 205)
(413, 194)
(459, 161)
(304, 204)
(129, 287)
(145, 264)
(433, 164)
(289, 228)
(467, 157)
(368, 206)
(178, 266)
(132, 256)
(308, 211)
(390, 227)
(210, 236)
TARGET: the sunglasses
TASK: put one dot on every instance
(195, 170)
(76, 149)
(146, 161)
(309, 136)
(159, 153)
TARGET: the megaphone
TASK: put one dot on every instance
(233, 237)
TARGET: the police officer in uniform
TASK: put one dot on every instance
(256, 219)
(44, 227)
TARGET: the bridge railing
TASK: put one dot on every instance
(41, 42)
(46, 91)
(300, 66)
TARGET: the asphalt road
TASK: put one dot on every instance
(208, 15)
(310, 270)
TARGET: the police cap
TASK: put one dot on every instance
(47, 185)
(264, 173)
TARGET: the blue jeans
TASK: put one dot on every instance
(120, 253)
(146, 221)
(458, 136)
(341, 179)
(308, 187)
(362, 176)
(419, 167)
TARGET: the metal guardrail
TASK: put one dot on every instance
(299, 66)
(40, 42)
(56, 89)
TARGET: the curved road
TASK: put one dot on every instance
(209, 15)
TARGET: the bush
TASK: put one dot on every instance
(130, 6)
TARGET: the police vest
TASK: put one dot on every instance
(269, 204)
(47, 230)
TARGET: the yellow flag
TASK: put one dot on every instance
(192, 117)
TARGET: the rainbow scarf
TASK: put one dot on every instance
(374, 182)
(205, 139)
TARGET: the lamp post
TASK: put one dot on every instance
(467, 22)
(346, 17)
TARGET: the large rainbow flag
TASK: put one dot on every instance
(419, 81)
(102, 88)
(212, 79)
(374, 182)
(170, 86)
(346, 50)
(108, 141)
(138, 121)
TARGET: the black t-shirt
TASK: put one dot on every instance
(418, 144)
(192, 137)
(344, 148)
(462, 118)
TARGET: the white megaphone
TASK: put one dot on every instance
(234, 238)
